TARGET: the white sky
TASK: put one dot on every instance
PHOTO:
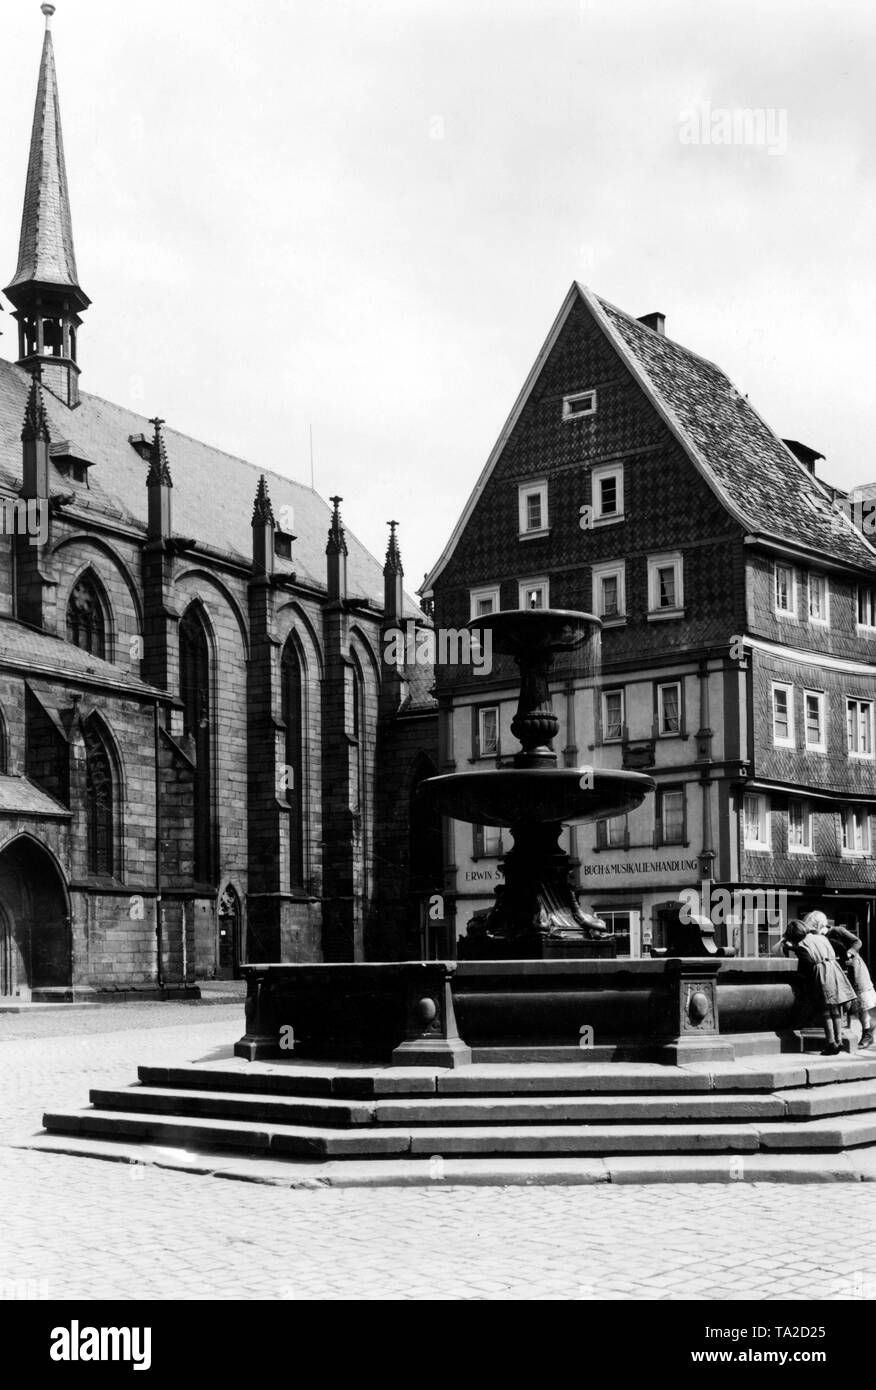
(272, 237)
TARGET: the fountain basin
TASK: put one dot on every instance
(450, 1012)
(511, 796)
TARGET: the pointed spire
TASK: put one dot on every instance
(393, 554)
(36, 423)
(159, 468)
(393, 592)
(263, 512)
(337, 541)
(45, 253)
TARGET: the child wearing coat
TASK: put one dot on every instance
(846, 946)
(831, 987)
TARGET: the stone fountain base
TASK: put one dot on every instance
(682, 1069)
(445, 1013)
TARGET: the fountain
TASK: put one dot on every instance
(531, 980)
(536, 913)
(421, 1060)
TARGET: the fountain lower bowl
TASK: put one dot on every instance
(510, 796)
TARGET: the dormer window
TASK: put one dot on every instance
(583, 403)
(283, 545)
(69, 461)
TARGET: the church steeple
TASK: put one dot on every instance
(45, 289)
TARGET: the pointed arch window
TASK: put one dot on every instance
(293, 717)
(86, 622)
(99, 801)
(195, 677)
(357, 747)
(4, 744)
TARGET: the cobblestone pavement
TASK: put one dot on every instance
(83, 1228)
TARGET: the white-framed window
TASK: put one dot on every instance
(612, 716)
(608, 493)
(609, 591)
(669, 708)
(815, 720)
(783, 715)
(785, 592)
(487, 841)
(484, 601)
(665, 586)
(670, 813)
(755, 821)
(866, 606)
(487, 732)
(534, 593)
(859, 728)
(612, 832)
(581, 403)
(532, 508)
(819, 598)
(856, 830)
(799, 827)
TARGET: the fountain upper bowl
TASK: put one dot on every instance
(508, 796)
(531, 630)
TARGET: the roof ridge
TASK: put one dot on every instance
(689, 442)
(201, 443)
(682, 347)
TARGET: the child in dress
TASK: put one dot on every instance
(847, 945)
(830, 984)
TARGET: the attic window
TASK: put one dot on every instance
(143, 445)
(584, 403)
(69, 462)
(283, 545)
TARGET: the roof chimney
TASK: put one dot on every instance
(655, 321)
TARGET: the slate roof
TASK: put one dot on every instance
(18, 796)
(45, 251)
(212, 495)
(420, 680)
(39, 653)
(757, 477)
(775, 493)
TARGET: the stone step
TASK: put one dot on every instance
(442, 1110)
(294, 1079)
(841, 1132)
(232, 1105)
(856, 1165)
(837, 1098)
(365, 1141)
(278, 1139)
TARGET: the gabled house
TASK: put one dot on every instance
(737, 594)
